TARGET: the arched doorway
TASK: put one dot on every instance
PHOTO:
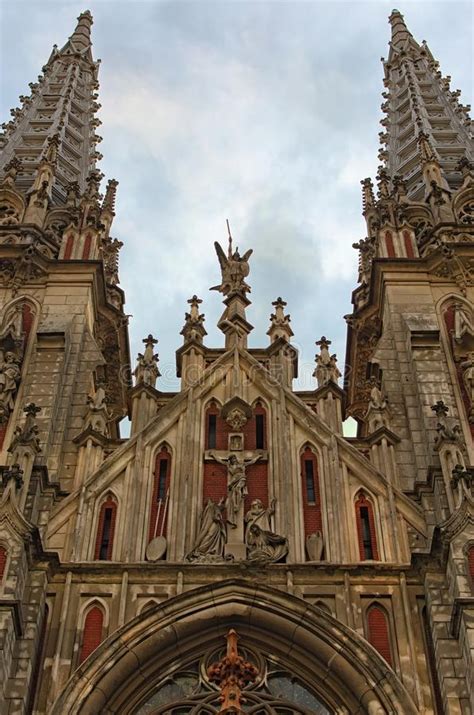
(304, 650)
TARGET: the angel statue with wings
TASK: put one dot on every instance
(234, 267)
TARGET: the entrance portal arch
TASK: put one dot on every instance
(330, 660)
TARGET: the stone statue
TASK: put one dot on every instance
(463, 322)
(9, 379)
(98, 413)
(211, 540)
(146, 371)
(326, 364)
(234, 268)
(27, 434)
(262, 543)
(236, 483)
(377, 414)
(12, 324)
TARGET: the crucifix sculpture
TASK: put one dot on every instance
(232, 674)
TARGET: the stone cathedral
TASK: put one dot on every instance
(236, 553)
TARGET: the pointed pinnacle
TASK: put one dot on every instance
(110, 194)
(81, 36)
(400, 32)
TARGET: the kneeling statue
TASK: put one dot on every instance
(262, 543)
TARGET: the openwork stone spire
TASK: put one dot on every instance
(419, 100)
(62, 105)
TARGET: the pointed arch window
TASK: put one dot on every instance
(69, 248)
(161, 485)
(378, 632)
(389, 244)
(212, 416)
(87, 247)
(3, 562)
(93, 632)
(310, 492)
(260, 427)
(106, 530)
(368, 550)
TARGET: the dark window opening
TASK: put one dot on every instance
(260, 431)
(366, 537)
(163, 471)
(212, 431)
(106, 533)
(309, 474)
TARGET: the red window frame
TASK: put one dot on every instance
(364, 503)
(92, 634)
(111, 505)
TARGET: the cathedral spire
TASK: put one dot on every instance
(419, 101)
(81, 37)
(62, 104)
(400, 32)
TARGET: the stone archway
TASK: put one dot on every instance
(350, 675)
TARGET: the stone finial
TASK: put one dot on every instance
(50, 154)
(232, 674)
(326, 365)
(93, 184)
(465, 166)
(73, 193)
(383, 183)
(110, 194)
(463, 479)
(146, 371)
(81, 37)
(366, 248)
(399, 187)
(109, 249)
(440, 409)
(279, 322)
(11, 170)
(446, 432)
(368, 198)
(193, 328)
(14, 474)
(425, 148)
(27, 434)
(400, 32)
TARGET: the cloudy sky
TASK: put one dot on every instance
(265, 113)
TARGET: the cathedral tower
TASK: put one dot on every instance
(236, 553)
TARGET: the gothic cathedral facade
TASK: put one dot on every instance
(236, 553)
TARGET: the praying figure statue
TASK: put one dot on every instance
(262, 543)
(236, 483)
(211, 539)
